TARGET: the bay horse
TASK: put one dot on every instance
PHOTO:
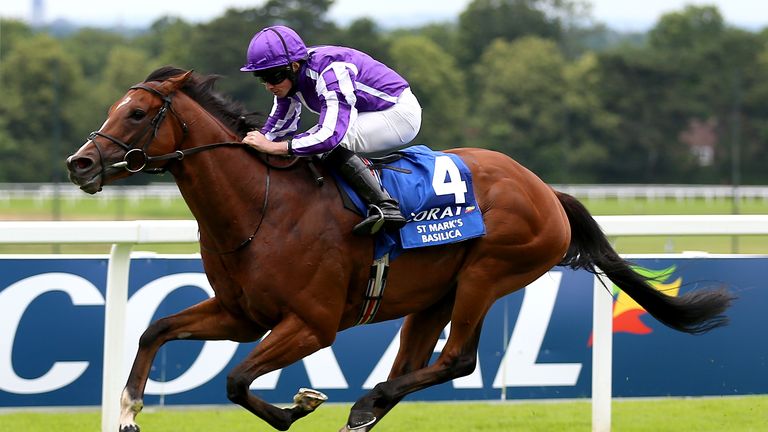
(279, 253)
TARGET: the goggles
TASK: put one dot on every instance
(273, 76)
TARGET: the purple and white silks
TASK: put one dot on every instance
(337, 83)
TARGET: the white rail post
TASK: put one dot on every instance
(602, 352)
(116, 299)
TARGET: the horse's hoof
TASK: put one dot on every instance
(359, 421)
(129, 428)
(308, 399)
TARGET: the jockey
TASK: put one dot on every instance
(364, 107)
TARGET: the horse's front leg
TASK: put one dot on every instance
(291, 340)
(204, 321)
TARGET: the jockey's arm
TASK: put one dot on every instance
(336, 93)
(258, 141)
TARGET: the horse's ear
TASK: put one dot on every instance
(174, 83)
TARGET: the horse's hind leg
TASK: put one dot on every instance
(418, 338)
(204, 321)
(381, 399)
(458, 358)
(419, 335)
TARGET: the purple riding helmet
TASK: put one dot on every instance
(272, 47)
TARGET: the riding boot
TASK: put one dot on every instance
(383, 210)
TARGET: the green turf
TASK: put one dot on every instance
(102, 207)
(94, 207)
(733, 414)
(642, 206)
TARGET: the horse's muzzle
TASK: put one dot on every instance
(84, 173)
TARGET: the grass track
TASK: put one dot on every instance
(121, 208)
(733, 414)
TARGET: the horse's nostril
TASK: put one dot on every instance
(80, 164)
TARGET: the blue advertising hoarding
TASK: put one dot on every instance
(536, 343)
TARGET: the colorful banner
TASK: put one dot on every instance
(536, 342)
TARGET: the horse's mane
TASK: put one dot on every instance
(200, 88)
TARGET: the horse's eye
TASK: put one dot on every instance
(138, 114)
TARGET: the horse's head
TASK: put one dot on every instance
(139, 125)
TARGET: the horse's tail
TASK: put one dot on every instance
(693, 312)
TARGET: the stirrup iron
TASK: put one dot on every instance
(365, 228)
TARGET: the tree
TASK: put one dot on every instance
(439, 86)
(689, 31)
(168, 42)
(219, 46)
(12, 31)
(90, 47)
(588, 124)
(517, 106)
(522, 76)
(486, 20)
(363, 34)
(751, 104)
(308, 17)
(124, 67)
(636, 87)
(42, 86)
(711, 63)
(445, 35)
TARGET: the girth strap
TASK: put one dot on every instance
(374, 293)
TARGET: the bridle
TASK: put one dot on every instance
(136, 158)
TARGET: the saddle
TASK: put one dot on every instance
(435, 193)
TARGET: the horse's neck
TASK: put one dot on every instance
(224, 187)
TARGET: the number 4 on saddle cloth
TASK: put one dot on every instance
(435, 193)
(436, 197)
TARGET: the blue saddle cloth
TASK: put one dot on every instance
(436, 197)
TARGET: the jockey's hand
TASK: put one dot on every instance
(258, 141)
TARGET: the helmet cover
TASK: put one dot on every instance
(273, 47)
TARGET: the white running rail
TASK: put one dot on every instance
(123, 235)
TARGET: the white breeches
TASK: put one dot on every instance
(377, 133)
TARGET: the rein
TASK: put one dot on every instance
(136, 158)
(250, 238)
